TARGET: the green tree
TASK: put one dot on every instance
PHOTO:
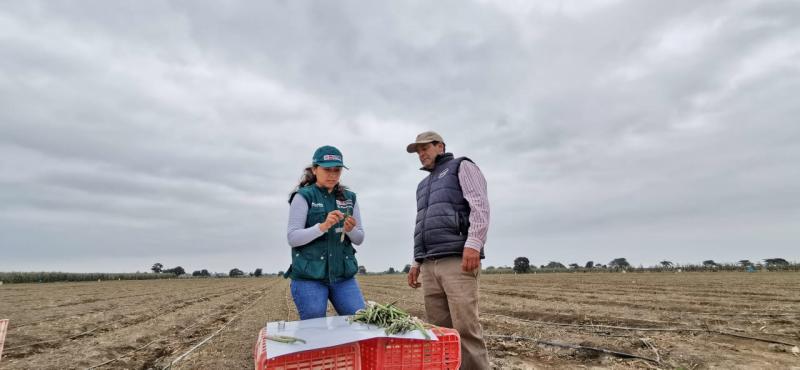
(157, 267)
(235, 272)
(259, 272)
(406, 269)
(619, 263)
(178, 271)
(362, 270)
(522, 265)
(554, 265)
(776, 262)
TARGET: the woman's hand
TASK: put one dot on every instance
(349, 223)
(333, 218)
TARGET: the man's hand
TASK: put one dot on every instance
(349, 223)
(470, 260)
(413, 275)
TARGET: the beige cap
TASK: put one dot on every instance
(424, 138)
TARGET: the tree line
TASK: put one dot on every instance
(522, 265)
(50, 277)
(158, 268)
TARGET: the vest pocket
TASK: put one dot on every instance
(350, 264)
(309, 265)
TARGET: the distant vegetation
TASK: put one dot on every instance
(49, 277)
(521, 265)
(158, 272)
(201, 273)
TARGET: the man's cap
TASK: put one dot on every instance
(424, 138)
(328, 156)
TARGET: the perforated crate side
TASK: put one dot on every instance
(412, 354)
(342, 357)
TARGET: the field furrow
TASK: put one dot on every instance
(688, 320)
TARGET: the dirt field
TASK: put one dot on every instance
(148, 324)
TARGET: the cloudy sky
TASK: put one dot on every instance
(139, 132)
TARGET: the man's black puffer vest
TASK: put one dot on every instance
(442, 212)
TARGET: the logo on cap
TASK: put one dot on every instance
(331, 157)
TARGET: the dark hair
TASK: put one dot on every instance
(444, 146)
(309, 178)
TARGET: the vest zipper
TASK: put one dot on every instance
(328, 244)
(425, 214)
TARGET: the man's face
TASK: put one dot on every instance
(427, 153)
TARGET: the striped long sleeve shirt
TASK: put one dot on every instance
(473, 186)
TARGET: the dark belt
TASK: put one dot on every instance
(440, 257)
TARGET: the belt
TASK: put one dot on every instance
(434, 258)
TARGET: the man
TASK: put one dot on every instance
(451, 226)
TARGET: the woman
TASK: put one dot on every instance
(324, 223)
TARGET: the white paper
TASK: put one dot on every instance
(327, 332)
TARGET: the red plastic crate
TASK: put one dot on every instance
(344, 357)
(413, 354)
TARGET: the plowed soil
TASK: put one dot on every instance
(673, 320)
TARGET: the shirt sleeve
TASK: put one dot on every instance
(357, 234)
(297, 234)
(473, 186)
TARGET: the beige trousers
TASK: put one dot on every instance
(451, 300)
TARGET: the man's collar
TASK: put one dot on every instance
(440, 158)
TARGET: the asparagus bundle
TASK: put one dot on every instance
(392, 319)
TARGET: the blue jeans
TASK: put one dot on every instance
(311, 297)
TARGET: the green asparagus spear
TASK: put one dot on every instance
(346, 215)
(285, 339)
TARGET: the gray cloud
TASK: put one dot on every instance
(134, 133)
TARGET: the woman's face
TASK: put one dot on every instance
(327, 177)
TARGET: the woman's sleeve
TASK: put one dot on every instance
(357, 234)
(297, 234)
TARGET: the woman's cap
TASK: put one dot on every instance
(424, 138)
(328, 156)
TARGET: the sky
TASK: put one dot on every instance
(140, 132)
